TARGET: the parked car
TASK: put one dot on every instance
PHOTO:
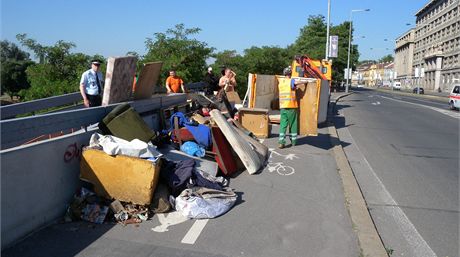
(397, 85)
(360, 86)
(422, 91)
(454, 97)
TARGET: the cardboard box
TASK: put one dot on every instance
(120, 177)
(255, 120)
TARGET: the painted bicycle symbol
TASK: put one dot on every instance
(280, 167)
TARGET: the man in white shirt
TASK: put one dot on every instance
(91, 85)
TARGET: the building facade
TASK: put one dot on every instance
(404, 57)
(437, 44)
(374, 74)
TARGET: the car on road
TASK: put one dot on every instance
(422, 91)
(360, 86)
(397, 85)
(454, 97)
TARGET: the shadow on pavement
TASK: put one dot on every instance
(64, 240)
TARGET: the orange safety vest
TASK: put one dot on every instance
(287, 95)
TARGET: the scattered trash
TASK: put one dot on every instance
(193, 149)
(94, 213)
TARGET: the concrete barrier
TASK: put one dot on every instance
(39, 179)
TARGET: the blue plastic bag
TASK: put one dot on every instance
(193, 149)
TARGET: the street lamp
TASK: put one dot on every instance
(349, 45)
(327, 30)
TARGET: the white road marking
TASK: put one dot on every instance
(376, 103)
(172, 219)
(446, 112)
(194, 232)
(415, 241)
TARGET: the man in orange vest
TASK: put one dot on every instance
(288, 108)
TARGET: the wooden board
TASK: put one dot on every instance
(255, 120)
(119, 79)
(265, 90)
(242, 148)
(308, 98)
(148, 79)
(233, 97)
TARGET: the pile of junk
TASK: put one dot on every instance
(129, 172)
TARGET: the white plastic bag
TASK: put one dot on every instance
(115, 146)
(204, 203)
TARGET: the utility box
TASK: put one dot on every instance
(255, 120)
(120, 177)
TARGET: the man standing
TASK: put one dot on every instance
(174, 83)
(211, 82)
(288, 108)
(91, 85)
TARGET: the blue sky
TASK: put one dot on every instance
(112, 28)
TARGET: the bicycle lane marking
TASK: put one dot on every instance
(280, 167)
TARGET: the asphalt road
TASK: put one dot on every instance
(294, 207)
(404, 152)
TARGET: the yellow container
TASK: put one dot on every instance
(120, 177)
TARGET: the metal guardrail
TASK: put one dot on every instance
(18, 131)
(12, 110)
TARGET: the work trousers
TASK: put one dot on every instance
(288, 118)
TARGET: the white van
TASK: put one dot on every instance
(454, 97)
(397, 85)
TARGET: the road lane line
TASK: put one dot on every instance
(194, 232)
(446, 112)
(415, 241)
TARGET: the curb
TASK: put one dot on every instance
(363, 225)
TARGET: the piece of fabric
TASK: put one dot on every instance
(193, 149)
(200, 132)
(201, 179)
(287, 96)
(288, 118)
(203, 203)
(89, 80)
(174, 83)
(176, 174)
(114, 146)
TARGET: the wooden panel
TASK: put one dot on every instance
(147, 80)
(256, 121)
(265, 90)
(308, 96)
(119, 79)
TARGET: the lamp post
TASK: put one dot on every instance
(327, 30)
(349, 45)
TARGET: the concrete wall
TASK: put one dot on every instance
(37, 184)
(38, 180)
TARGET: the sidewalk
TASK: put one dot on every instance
(294, 207)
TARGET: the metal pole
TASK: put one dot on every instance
(348, 59)
(327, 31)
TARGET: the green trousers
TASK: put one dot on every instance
(288, 118)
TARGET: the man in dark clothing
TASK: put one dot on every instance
(212, 82)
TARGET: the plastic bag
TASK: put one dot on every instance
(204, 203)
(193, 149)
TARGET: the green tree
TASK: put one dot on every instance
(179, 51)
(14, 64)
(387, 58)
(58, 71)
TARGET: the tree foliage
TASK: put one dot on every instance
(387, 58)
(14, 64)
(58, 71)
(179, 51)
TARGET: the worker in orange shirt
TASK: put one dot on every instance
(174, 83)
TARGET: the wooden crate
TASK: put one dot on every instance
(255, 120)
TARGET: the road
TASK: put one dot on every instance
(404, 152)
